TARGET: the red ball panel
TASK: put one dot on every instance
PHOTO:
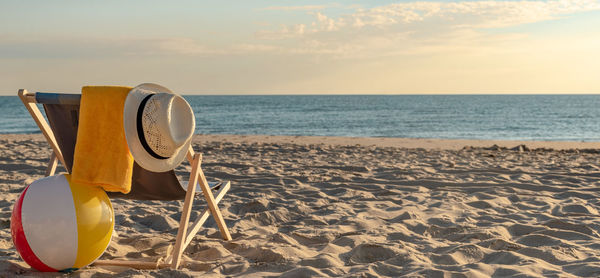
(19, 240)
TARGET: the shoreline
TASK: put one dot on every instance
(396, 142)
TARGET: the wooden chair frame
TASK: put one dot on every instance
(185, 233)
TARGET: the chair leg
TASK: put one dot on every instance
(185, 213)
(52, 165)
(212, 205)
(195, 227)
(41, 123)
(184, 236)
(196, 176)
(132, 264)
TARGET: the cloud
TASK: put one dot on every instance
(65, 47)
(478, 14)
(14, 47)
(285, 31)
(183, 46)
(418, 27)
(394, 29)
(295, 8)
(325, 23)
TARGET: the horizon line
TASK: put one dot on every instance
(353, 94)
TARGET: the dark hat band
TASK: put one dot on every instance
(140, 129)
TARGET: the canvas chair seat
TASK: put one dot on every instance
(62, 111)
(60, 130)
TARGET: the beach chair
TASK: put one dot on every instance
(60, 130)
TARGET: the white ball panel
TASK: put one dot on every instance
(50, 221)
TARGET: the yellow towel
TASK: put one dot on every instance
(102, 157)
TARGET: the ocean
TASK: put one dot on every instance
(503, 117)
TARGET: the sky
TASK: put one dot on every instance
(303, 47)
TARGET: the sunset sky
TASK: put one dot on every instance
(303, 47)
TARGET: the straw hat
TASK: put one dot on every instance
(158, 127)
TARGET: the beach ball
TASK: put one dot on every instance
(57, 225)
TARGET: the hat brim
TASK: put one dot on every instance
(140, 155)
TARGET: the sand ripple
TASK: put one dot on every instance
(313, 210)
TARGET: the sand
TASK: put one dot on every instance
(327, 206)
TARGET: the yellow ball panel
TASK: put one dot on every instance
(95, 222)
